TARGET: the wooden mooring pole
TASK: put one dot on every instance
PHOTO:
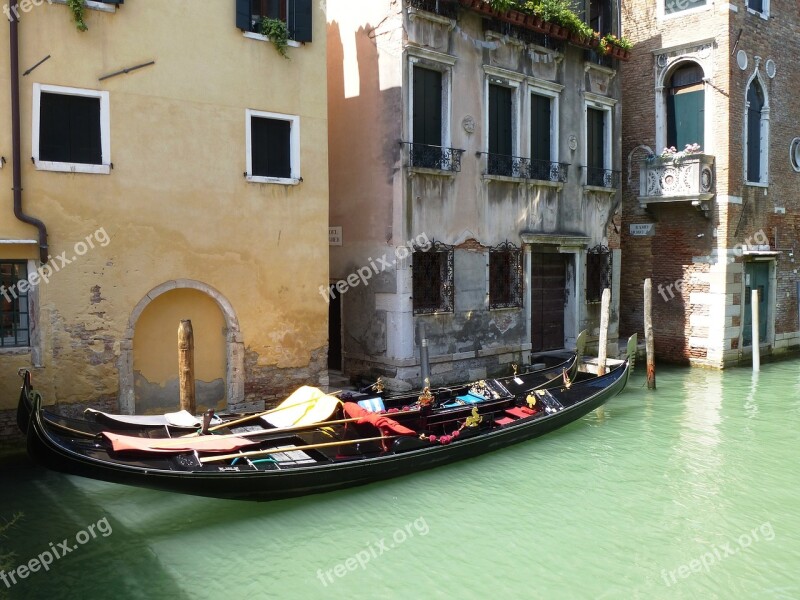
(649, 343)
(186, 366)
(756, 341)
(602, 350)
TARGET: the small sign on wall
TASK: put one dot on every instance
(643, 229)
(334, 236)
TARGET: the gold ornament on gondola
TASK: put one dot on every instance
(531, 400)
(475, 419)
(567, 380)
(378, 386)
(426, 397)
(515, 366)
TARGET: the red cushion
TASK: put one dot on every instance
(519, 412)
(504, 420)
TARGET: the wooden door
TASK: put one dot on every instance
(548, 297)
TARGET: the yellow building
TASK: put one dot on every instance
(179, 166)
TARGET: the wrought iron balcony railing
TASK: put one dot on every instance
(434, 157)
(444, 8)
(602, 177)
(545, 170)
(525, 168)
(674, 179)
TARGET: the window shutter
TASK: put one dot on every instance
(113, 1)
(243, 17)
(300, 20)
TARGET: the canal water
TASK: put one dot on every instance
(691, 491)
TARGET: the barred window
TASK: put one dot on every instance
(432, 279)
(14, 325)
(505, 277)
(598, 272)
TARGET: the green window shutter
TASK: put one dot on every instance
(299, 21)
(243, 16)
(595, 143)
(755, 99)
(540, 127)
(427, 107)
(685, 117)
(500, 141)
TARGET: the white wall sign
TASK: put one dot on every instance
(334, 236)
(643, 229)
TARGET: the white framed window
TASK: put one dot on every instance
(272, 147)
(429, 107)
(543, 110)
(71, 130)
(598, 136)
(758, 7)
(756, 133)
(501, 124)
(297, 14)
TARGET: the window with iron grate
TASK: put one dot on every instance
(432, 280)
(598, 273)
(14, 324)
(505, 278)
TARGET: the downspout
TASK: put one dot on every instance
(15, 136)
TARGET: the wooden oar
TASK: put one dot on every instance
(261, 414)
(319, 425)
(302, 448)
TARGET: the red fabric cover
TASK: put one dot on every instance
(386, 425)
(206, 443)
(519, 412)
(504, 420)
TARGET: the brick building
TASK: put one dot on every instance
(710, 226)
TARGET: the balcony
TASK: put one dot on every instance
(516, 167)
(602, 179)
(688, 178)
(443, 8)
(424, 157)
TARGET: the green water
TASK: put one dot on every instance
(692, 491)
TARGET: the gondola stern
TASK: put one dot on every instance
(24, 407)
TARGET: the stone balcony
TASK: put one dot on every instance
(687, 179)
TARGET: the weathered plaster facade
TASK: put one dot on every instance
(713, 238)
(187, 233)
(384, 202)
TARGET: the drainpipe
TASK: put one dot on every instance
(15, 136)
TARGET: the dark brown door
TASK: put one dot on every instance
(548, 296)
(334, 330)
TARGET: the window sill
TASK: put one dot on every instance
(545, 183)
(764, 16)
(62, 167)
(756, 184)
(598, 188)
(429, 171)
(275, 180)
(501, 308)
(16, 351)
(101, 6)
(503, 178)
(263, 38)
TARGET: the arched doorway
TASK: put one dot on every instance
(148, 350)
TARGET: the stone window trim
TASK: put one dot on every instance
(763, 13)
(436, 61)
(109, 7)
(514, 81)
(607, 105)
(552, 91)
(294, 148)
(765, 127)
(34, 347)
(105, 131)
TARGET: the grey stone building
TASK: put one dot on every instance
(474, 169)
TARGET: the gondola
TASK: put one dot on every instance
(444, 398)
(360, 448)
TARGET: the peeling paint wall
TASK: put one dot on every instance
(176, 205)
